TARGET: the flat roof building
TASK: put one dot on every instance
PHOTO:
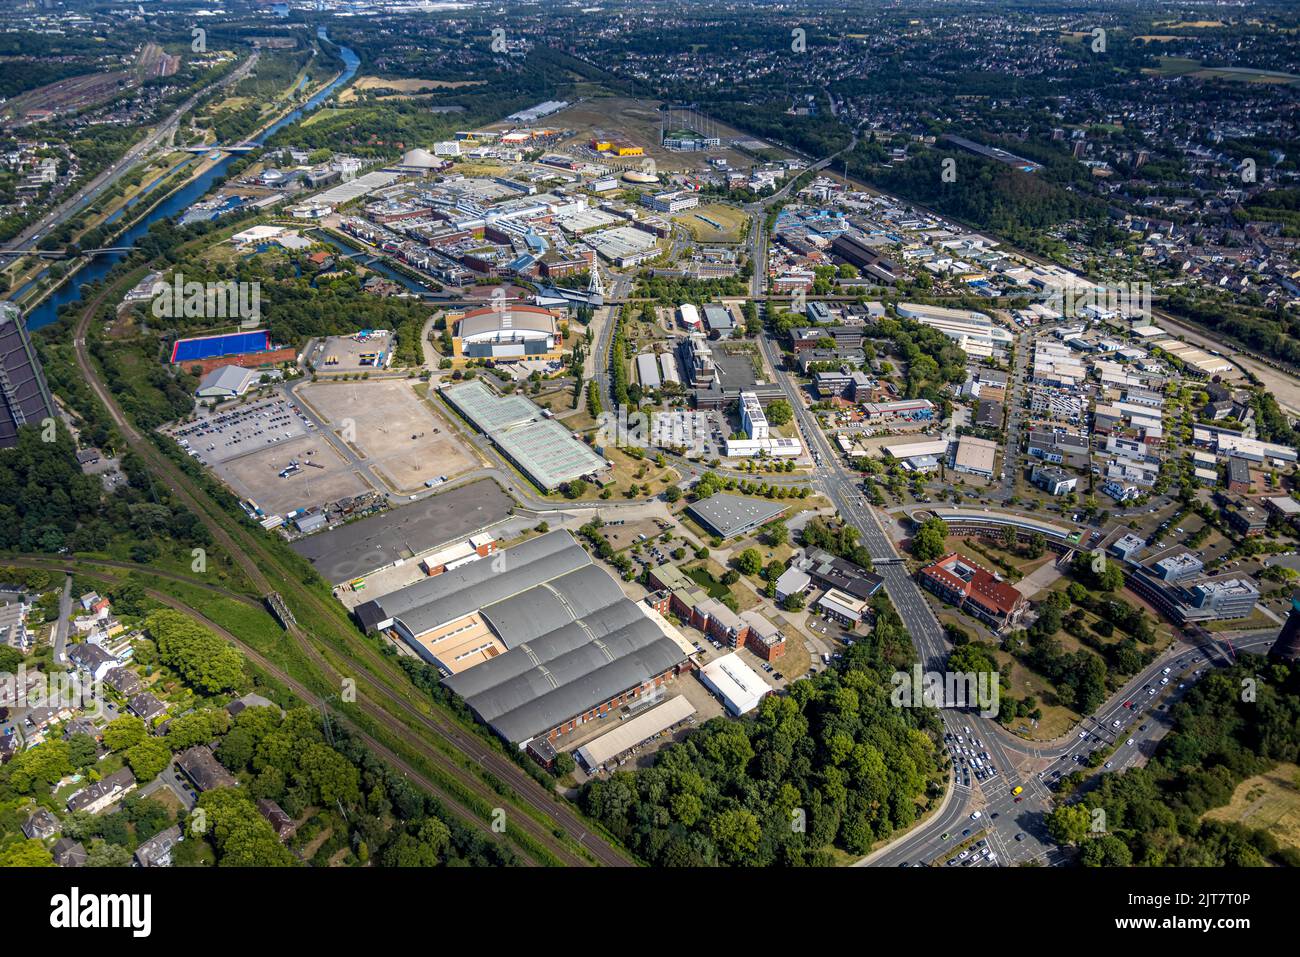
(628, 734)
(1173, 568)
(792, 580)
(975, 456)
(730, 515)
(1226, 597)
(752, 418)
(738, 685)
(842, 607)
(647, 369)
(546, 451)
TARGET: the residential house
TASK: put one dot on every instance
(69, 853)
(103, 793)
(157, 851)
(203, 769)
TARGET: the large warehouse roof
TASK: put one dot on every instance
(573, 640)
(487, 411)
(432, 602)
(541, 447)
(548, 452)
(514, 319)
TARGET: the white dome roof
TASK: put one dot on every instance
(419, 157)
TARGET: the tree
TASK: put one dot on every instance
(29, 853)
(1107, 850)
(794, 602)
(236, 749)
(778, 533)
(124, 732)
(565, 764)
(82, 750)
(749, 562)
(736, 834)
(239, 833)
(202, 659)
(104, 854)
(779, 413)
(1009, 537)
(198, 727)
(40, 767)
(148, 758)
(1069, 823)
(929, 541)
(673, 494)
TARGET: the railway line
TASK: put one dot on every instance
(246, 551)
(464, 813)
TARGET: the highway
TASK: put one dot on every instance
(108, 177)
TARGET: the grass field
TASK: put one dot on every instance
(1269, 802)
(402, 89)
(732, 220)
(1182, 66)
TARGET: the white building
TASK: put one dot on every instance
(737, 684)
(752, 418)
(228, 382)
(673, 201)
(690, 317)
(960, 325)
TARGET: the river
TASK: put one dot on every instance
(99, 267)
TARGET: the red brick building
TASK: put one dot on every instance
(975, 590)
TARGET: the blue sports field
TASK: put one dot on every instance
(209, 347)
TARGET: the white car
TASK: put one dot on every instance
(976, 815)
(1115, 723)
(1130, 741)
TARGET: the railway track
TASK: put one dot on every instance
(525, 790)
(465, 814)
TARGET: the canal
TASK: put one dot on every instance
(99, 267)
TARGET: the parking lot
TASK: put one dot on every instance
(271, 453)
(269, 477)
(240, 429)
(700, 433)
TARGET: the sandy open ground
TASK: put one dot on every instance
(385, 415)
(256, 475)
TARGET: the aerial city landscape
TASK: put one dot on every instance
(650, 434)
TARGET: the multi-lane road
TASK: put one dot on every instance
(164, 130)
(1013, 823)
